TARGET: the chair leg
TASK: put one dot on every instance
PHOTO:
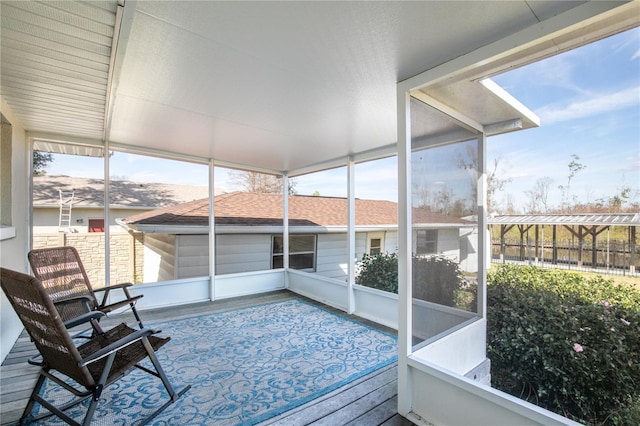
(173, 395)
(59, 411)
(95, 397)
(135, 314)
(158, 367)
(26, 414)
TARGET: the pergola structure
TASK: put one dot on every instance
(579, 225)
(291, 88)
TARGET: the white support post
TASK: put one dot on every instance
(212, 232)
(29, 242)
(285, 227)
(404, 252)
(351, 234)
(484, 242)
(107, 230)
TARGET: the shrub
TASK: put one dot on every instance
(565, 343)
(440, 280)
(379, 271)
(437, 279)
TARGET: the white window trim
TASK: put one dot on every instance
(292, 253)
(373, 236)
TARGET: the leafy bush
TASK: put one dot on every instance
(380, 272)
(566, 343)
(437, 279)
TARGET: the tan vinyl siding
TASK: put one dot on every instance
(192, 256)
(242, 253)
(159, 258)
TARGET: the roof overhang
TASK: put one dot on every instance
(239, 229)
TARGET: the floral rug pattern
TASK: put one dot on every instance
(247, 365)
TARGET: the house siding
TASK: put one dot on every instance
(390, 242)
(46, 218)
(192, 256)
(159, 258)
(237, 253)
(242, 253)
(331, 256)
(449, 243)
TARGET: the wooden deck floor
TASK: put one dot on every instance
(367, 402)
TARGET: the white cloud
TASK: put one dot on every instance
(590, 107)
(636, 55)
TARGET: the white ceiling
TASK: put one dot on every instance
(281, 86)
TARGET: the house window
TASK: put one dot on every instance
(427, 241)
(375, 243)
(302, 252)
(96, 225)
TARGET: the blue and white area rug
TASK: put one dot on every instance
(248, 365)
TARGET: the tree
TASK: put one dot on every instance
(495, 182)
(261, 182)
(40, 161)
(616, 202)
(538, 196)
(574, 167)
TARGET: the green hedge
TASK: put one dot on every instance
(437, 279)
(379, 271)
(566, 343)
(440, 279)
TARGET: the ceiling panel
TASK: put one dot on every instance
(55, 64)
(279, 86)
(284, 85)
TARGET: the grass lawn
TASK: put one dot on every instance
(618, 279)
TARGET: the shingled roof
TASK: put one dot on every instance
(255, 209)
(90, 192)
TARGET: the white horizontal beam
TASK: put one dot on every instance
(539, 33)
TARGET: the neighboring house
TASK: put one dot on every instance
(87, 212)
(249, 230)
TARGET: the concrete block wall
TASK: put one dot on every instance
(126, 254)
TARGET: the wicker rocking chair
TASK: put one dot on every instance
(61, 272)
(102, 360)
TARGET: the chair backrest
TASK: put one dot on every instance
(62, 274)
(42, 321)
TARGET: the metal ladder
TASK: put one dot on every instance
(66, 204)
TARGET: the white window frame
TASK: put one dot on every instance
(314, 252)
(428, 241)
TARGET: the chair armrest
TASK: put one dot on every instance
(117, 345)
(84, 318)
(113, 287)
(121, 286)
(115, 305)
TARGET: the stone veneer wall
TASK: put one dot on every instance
(126, 254)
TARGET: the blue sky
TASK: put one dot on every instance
(588, 100)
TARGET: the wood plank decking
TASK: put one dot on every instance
(366, 402)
